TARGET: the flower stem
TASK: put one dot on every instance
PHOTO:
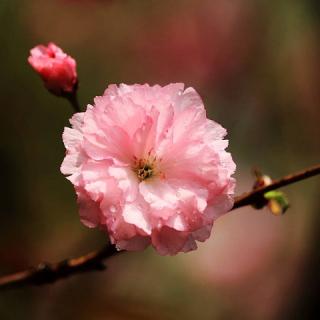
(73, 99)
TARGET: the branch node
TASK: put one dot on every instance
(42, 274)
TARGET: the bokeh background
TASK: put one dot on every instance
(256, 64)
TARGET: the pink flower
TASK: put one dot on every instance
(57, 69)
(149, 167)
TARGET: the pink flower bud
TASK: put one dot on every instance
(57, 69)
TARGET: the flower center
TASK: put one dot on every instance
(147, 167)
(144, 172)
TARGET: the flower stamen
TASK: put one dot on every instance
(145, 172)
(145, 168)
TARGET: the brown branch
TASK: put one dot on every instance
(51, 272)
(255, 195)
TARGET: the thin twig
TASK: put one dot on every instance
(51, 272)
(256, 194)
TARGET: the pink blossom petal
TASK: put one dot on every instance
(168, 241)
(136, 243)
(133, 214)
(158, 194)
(127, 181)
(88, 209)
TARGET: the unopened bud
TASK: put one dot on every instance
(56, 68)
(276, 201)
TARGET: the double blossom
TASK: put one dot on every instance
(148, 167)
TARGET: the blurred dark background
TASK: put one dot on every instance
(256, 65)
